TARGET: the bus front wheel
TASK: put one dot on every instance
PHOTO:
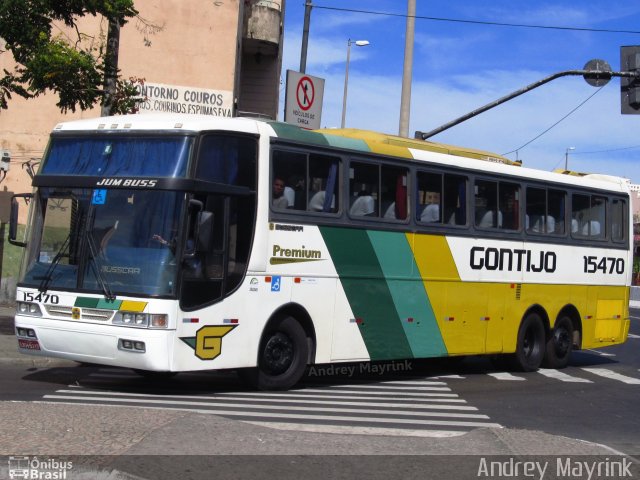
(282, 357)
(531, 343)
(560, 344)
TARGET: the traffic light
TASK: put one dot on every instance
(630, 87)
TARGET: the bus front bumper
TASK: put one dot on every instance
(144, 349)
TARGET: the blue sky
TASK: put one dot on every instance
(459, 67)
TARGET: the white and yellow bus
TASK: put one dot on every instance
(168, 243)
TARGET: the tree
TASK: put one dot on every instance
(74, 69)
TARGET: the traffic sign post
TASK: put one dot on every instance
(303, 100)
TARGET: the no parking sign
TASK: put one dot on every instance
(303, 101)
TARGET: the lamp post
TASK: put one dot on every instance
(566, 157)
(358, 43)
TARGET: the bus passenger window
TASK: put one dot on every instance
(618, 228)
(544, 212)
(486, 204)
(364, 193)
(441, 198)
(588, 215)
(306, 177)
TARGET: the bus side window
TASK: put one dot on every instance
(588, 216)
(485, 200)
(618, 230)
(364, 192)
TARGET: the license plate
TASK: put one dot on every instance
(28, 344)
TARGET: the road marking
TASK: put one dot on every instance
(610, 374)
(286, 399)
(269, 414)
(631, 335)
(598, 352)
(342, 429)
(505, 376)
(563, 377)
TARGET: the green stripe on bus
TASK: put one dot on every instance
(86, 302)
(367, 292)
(291, 132)
(409, 296)
(349, 143)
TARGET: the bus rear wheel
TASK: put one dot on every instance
(559, 344)
(282, 357)
(531, 344)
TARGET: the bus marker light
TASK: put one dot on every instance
(230, 320)
(159, 321)
(190, 320)
(297, 280)
(267, 279)
(410, 319)
(485, 319)
(450, 319)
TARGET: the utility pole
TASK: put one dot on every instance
(305, 36)
(111, 66)
(407, 73)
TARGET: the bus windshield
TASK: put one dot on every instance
(118, 155)
(105, 241)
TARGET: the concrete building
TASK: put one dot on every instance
(212, 57)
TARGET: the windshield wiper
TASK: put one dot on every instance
(96, 266)
(46, 279)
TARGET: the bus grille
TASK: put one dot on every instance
(85, 313)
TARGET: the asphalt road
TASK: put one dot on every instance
(593, 399)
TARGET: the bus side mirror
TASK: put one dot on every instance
(13, 218)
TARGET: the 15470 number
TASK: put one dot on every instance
(41, 297)
(608, 265)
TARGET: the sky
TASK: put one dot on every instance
(460, 66)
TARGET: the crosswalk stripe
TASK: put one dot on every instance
(270, 415)
(563, 377)
(505, 376)
(610, 374)
(287, 399)
(269, 408)
(382, 386)
(358, 430)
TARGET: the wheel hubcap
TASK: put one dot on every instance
(278, 354)
(561, 341)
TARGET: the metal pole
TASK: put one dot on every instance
(346, 82)
(305, 36)
(584, 73)
(405, 101)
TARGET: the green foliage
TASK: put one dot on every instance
(47, 63)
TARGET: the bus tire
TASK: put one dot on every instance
(560, 344)
(151, 375)
(282, 356)
(531, 344)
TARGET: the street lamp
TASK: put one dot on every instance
(566, 157)
(358, 43)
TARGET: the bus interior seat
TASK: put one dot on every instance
(364, 205)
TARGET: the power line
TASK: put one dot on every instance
(552, 126)
(609, 150)
(478, 22)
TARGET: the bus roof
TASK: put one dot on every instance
(349, 138)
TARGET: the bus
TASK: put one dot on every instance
(167, 243)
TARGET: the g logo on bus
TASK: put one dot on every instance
(208, 341)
